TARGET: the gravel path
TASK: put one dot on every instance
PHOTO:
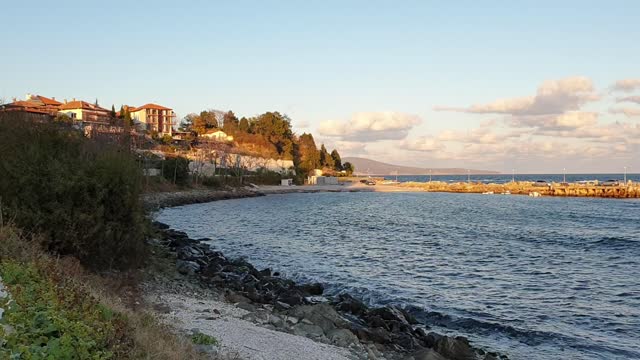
(246, 339)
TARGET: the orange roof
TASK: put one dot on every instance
(151, 106)
(47, 101)
(81, 105)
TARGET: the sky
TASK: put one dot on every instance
(535, 86)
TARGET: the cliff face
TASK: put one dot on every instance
(372, 167)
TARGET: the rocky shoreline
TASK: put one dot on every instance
(158, 200)
(303, 309)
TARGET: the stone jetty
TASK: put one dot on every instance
(621, 191)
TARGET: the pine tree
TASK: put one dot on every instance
(113, 111)
(337, 161)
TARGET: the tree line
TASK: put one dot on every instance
(268, 135)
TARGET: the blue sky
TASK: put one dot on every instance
(364, 76)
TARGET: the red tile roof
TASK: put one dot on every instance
(150, 106)
(47, 101)
(81, 105)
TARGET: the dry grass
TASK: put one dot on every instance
(147, 338)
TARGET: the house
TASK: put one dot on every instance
(37, 104)
(153, 117)
(84, 111)
(217, 135)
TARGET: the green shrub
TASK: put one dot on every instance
(55, 319)
(82, 196)
(204, 339)
(212, 181)
(176, 170)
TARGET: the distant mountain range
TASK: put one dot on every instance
(371, 167)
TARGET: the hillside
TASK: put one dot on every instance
(372, 167)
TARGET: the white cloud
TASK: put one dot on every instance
(371, 126)
(634, 99)
(629, 112)
(566, 121)
(424, 144)
(626, 85)
(552, 97)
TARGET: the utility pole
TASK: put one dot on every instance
(564, 175)
(513, 175)
(469, 176)
(429, 175)
(625, 175)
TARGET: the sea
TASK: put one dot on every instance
(533, 278)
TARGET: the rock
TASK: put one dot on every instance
(189, 253)
(162, 308)
(159, 225)
(187, 267)
(282, 306)
(291, 320)
(457, 348)
(313, 289)
(246, 306)
(291, 298)
(316, 299)
(265, 273)
(342, 337)
(388, 313)
(348, 303)
(234, 297)
(377, 335)
(276, 321)
(322, 315)
(428, 354)
(311, 331)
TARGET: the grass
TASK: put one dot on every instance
(204, 339)
(58, 310)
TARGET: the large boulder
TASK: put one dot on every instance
(314, 289)
(428, 354)
(457, 348)
(322, 315)
(308, 330)
(342, 337)
(187, 267)
(348, 303)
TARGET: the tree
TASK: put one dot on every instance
(96, 103)
(209, 119)
(187, 122)
(230, 122)
(113, 111)
(244, 125)
(63, 118)
(307, 156)
(325, 159)
(337, 161)
(127, 117)
(349, 168)
(121, 114)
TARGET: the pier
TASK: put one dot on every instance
(620, 191)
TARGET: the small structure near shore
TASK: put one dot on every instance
(322, 180)
(286, 182)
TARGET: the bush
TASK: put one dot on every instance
(176, 170)
(212, 181)
(50, 321)
(81, 195)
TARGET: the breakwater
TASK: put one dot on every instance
(631, 190)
